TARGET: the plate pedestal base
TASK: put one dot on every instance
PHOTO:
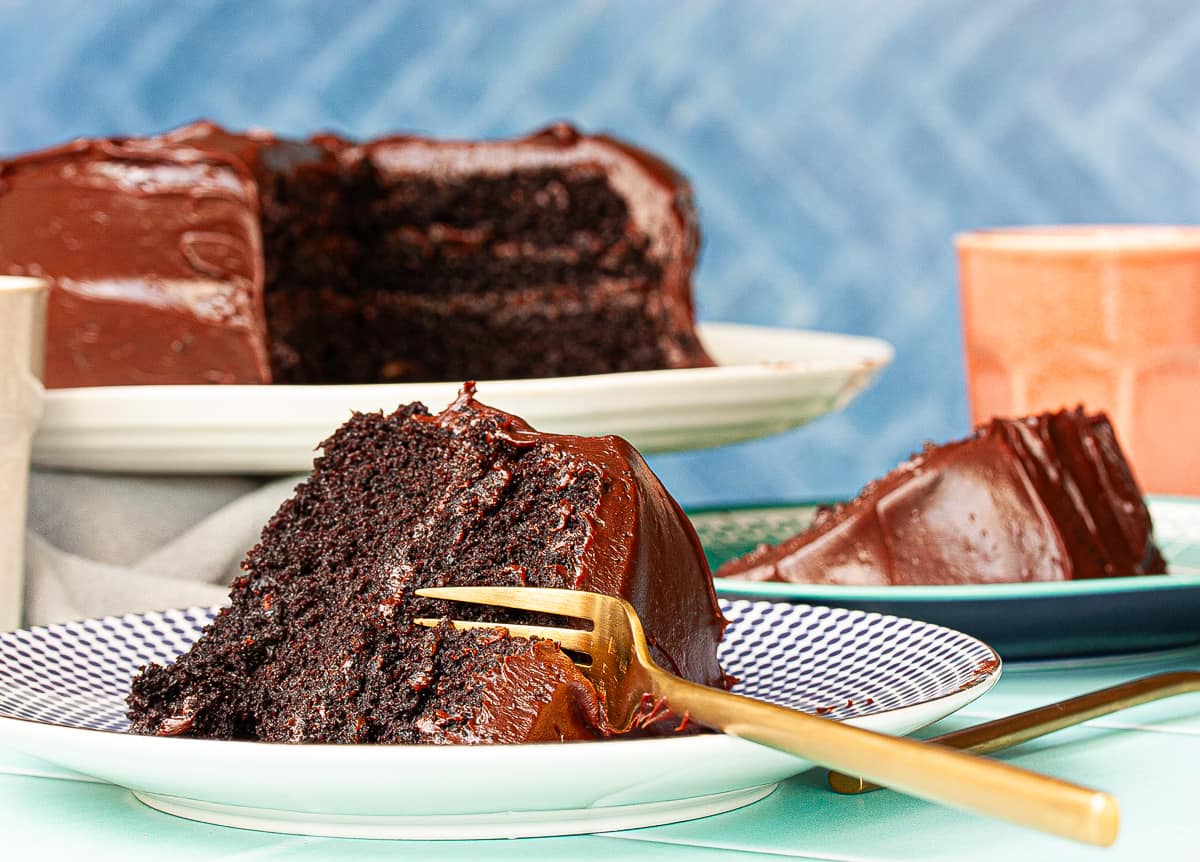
(504, 824)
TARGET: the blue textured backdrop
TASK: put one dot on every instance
(835, 147)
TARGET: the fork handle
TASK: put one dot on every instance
(920, 769)
(1013, 730)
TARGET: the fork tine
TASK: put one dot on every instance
(568, 603)
(573, 639)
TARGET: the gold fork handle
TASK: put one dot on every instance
(931, 772)
(1014, 729)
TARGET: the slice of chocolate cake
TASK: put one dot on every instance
(318, 643)
(208, 256)
(1043, 498)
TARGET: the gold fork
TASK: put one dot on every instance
(623, 672)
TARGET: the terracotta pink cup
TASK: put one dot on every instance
(1107, 316)
(22, 333)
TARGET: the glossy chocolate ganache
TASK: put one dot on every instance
(1041, 498)
(318, 642)
(208, 256)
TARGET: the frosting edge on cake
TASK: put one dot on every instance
(1041, 498)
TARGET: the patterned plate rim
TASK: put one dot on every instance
(985, 677)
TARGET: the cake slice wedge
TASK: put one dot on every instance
(318, 643)
(1040, 498)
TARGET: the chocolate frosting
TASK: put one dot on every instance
(1043, 498)
(261, 152)
(535, 696)
(154, 259)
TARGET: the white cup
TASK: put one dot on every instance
(22, 339)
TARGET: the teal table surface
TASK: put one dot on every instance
(1147, 756)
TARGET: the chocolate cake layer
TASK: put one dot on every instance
(318, 643)
(1043, 498)
(400, 259)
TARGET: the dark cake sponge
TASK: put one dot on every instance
(1041, 498)
(318, 643)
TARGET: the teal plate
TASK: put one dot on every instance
(1020, 621)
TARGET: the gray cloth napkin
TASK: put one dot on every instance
(99, 545)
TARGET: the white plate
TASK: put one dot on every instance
(768, 380)
(62, 690)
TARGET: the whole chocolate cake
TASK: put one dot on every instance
(1042, 498)
(319, 645)
(208, 256)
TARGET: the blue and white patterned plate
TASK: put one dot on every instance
(62, 694)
